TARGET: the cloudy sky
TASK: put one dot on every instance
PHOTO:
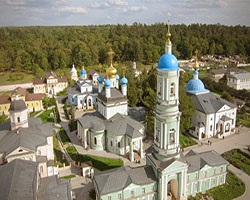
(87, 12)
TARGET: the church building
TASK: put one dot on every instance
(84, 93)
(168, 174)
(110, 127)
(214, 116)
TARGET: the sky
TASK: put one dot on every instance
(98, 12)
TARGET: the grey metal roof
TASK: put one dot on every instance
(116, 96)
(117, 125)
(240, 75)
(52, 188)
(123, 124)
(17, 180)
(210, 103)
(18, 105)
(197, 161)
(118, 179)
(29, 138)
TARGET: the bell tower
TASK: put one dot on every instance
(164, 155)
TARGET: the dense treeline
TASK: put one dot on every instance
(40, 49)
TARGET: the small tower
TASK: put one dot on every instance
(18, 114)
(83, 74)
(124, 82)
(74, 73)
(100, 80)
(107, 88)
(195, 85)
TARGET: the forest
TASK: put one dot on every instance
(39, 49)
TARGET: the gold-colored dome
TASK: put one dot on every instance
(196, 65)
(111, 72)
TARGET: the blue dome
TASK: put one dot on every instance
(100, 79)
(117, 77)
(195, 86)
(107, 83)
(83, 72)
(124, 81)
(168, 62)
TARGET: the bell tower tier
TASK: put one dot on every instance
(167, 115)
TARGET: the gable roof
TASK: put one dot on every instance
(117, 125)
(38, 81)
(210, 103)
(34, 97)
(53, 188)
(118, 179)
(19, 179)
(19, 90)
(116, 96)
(29, 138)
(197, 161)
(4, 99)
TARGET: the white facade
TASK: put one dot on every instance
(239, 80)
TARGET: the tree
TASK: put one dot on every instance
(227, 96)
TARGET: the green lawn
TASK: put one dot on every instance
(233, 188)
(8, 78)
(68, 177)
(59, 158)
(186, 141)
(45, 117)
(98, 162)
(239, 159)
(64, 137)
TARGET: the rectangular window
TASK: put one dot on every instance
(132, 193)
(119, 196)
(143, 190)
(109, 197)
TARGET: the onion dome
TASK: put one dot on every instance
(100, 79)
(111, 72)
(117, 77)
(168, 62)
(107, 83)
(83, 71)
(195, 85)
(124, 81)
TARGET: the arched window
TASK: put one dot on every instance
(172, 89)
(89, 102)
(95, 140)
(227, 127)
(159, 89)
(171, 136)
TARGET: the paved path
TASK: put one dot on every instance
(236, 141)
